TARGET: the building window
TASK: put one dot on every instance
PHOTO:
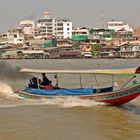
(59, 24)
(15, 36)
(68, 29)
(59, 29)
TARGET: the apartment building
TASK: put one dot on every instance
(46, 24)
(28, 26)
(60, 27)
(15, 36)
(63, 28)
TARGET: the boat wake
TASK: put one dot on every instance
(133, 106)
(6, 91)
(70, 102)
(8, 99)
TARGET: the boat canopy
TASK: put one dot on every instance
(123, 71)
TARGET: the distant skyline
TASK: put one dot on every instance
(81, 12)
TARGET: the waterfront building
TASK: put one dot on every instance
(109, 51)
(23, 54)
(86, 50)
(64, 53)
(130, 51)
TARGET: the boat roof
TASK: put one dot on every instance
(122, 71)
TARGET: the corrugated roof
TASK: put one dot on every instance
(108, 47)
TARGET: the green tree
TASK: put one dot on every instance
(96, 49)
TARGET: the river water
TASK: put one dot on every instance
(71, 119)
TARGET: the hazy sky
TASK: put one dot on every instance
(81, 12)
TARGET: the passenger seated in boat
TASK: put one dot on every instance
(33, 82)
(45, 81)
(49, 87)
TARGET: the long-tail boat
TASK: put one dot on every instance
(106, 95)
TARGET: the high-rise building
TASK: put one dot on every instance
(46, 24)
(63, 28)
(60, 27)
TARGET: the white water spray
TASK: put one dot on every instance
(69, 102)
(7, 91)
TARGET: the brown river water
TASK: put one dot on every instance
(70, 119)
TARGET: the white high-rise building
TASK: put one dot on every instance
(60, 27)
(63, 28)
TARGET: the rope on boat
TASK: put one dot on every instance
(128, 81)
(96, 81)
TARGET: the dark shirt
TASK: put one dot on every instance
(33, 83)
(45, 81)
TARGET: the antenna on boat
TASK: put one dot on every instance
(96, 81)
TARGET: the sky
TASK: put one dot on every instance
(81, 12)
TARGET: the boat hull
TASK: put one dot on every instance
(116, 97)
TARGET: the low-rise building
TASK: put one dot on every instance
(27, 26)
(80, 31)
(63, 42)
(102, 34)
(109, 51)
(86, 50)
(23, 54)
(119, 26)
(15, 36)
(136, 35)
(130, 51)
(3, 40)
(64, 53)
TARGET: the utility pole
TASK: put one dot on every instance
(102, 16)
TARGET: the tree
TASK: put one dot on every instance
(96, 49)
